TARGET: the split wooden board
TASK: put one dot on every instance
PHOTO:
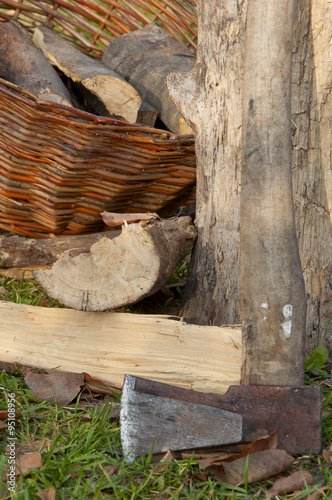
(108, 345)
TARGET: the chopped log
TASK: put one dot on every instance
(109, 345)
(145, 58)
(147, 114)
(120, 98)
(22, 63)
(120, 271)
(20, 252)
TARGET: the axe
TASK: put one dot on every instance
(271, 396)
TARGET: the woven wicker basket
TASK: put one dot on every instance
(59, 166)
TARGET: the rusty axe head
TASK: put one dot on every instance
(161, 416)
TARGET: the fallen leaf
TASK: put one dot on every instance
(28, 461)
(263, 443)
(327, 454)
(37, 445)
(168, 457)
(111, 471)
(254, 467)
(294, 482)
(113, 219)
(4, 415)
(47, 494)
(55, 386)
(100, 387)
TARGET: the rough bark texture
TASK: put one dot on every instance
(273, 303)
(19, 251)
(120, 271)
(25, 65)
(119, 98)
(312, 172)
(210, 99)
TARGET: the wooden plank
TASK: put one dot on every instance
(109, 345)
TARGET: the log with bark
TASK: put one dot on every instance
(119, 97)
(145, 58)
(120, 271)
(109, 345)
(22, 63)
(20, 252)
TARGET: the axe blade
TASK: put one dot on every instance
(148, 421)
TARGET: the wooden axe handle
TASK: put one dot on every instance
(273, 298)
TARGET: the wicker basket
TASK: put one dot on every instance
(59, 166)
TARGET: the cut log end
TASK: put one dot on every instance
(120, 271)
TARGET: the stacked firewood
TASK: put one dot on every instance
(130, 83)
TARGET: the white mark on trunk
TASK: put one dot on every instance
(287, 329)
(287, 311)
(265, 305)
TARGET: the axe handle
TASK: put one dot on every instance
(273, 302)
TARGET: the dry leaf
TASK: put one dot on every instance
(261, 465)
(111, 471)
(264, 443)
(4, 415)
(47, 494)
(31, 445)
(113, 220)
(294, 482)
(28, 461)
(98, 386)
(55, 386)
(168, 457)
(327, 454)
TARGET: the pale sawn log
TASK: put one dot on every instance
(109, 345)
(19, 251)
(145, 58)
(119, 97)
(273, 300)
(120, 271)
(22, 63)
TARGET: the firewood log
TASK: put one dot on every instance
(22, 63)
(145, 58)
(120, 271)
(119, 97)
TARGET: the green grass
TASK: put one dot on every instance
(82, 455)
(82, 449)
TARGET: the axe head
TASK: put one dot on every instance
(160, 423)
(156, 416)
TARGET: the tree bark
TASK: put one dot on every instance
(22, 63)
(273, 302)
(311, 161)
(210, 100)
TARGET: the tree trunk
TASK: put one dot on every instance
(312, 173)
(210, 99)
(273, 303)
